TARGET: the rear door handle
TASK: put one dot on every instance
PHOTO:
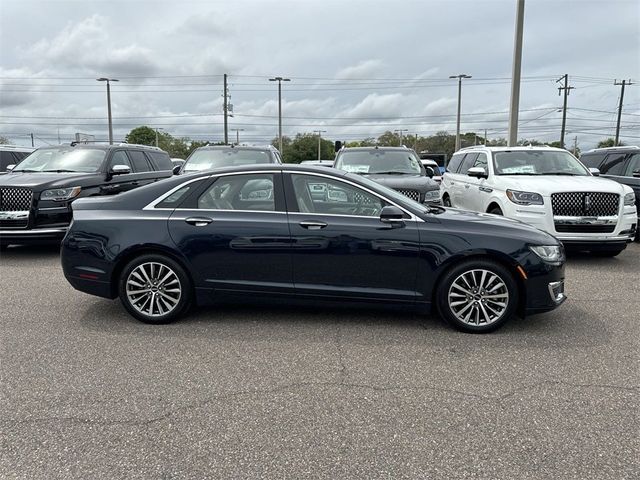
(309, 225)
(198, 221)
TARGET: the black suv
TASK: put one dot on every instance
(621, 164)
(12, 155)
(36, 195)
(398, 168)
(215, 156)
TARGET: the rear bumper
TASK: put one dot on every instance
(32, 236)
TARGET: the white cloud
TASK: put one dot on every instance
(362, 70)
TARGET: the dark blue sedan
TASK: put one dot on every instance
(309, 234)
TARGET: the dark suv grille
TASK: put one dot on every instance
(412, 194)
(581, 204)
(15, 199)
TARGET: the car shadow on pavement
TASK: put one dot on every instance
(31, 251)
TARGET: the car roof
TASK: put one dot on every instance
(236, 147)
(625, 148)
(99, 146)
(16, 148)
(403, 148)
(520, 148)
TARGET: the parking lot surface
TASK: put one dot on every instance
(277, 392)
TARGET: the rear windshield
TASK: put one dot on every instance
(208, 159)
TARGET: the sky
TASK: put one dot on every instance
(357, 68)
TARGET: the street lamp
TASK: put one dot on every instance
(103, 79)
(319, 132)
(280, 80)
(400, 133)
(156, 129)
(238, 130)
(459, 77)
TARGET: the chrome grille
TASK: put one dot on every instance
(15, 199)
(412, 194)
(579, 204)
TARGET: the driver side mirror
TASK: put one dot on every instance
(392, 215)
(477, 172)
(120, 170)
(595, 172)
(430, 172)
(176, 169)
(11, 167)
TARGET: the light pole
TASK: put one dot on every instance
(103, 79)
(400, 133)
(159, 128)
(459, 77)
(319, 132)
(238, 130)
(514, 104)
(280, 80)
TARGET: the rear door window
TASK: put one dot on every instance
(139, 161)
(161, 161)
(613, 164)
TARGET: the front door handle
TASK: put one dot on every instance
(198, 221)
(309, 225)
(466, 185)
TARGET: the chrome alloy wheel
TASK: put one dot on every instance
(478, 297)
(153, 289)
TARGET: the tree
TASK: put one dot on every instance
(609, 142)
(304, 146)
(142, 136)
(5, 141)
(389, 139)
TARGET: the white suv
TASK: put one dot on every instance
(547, 188)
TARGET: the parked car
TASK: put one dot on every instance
(435, 167)
(395, 167)
(621, 164)
(439, 158)
(215, 156)
(36, 196)
(547, 188)
(12, 155)
(256, 232)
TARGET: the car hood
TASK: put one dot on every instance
(548, 184)
(492, 225)
(412, 182)
(42, 181)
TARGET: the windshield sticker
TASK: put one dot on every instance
(356, 168)
(519, 169)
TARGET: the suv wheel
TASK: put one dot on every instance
(154, 289)
(477, 296)
(496, 211)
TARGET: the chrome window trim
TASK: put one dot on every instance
(342, 179)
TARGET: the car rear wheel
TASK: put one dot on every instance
(477, 296)
(155, 289)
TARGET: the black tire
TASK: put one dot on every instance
(166, 293)
(446, 201)
(607, 253)
(447, 294)
(496, 211)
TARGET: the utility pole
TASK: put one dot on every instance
(108, 80)
(459, 77)
(238, 130)
(485, 137)
(319, 132)
(515, 76)
(156, 129)
(280, 80)
(400, 133)
(622, 84)
(415, 145)
(575, 146)
(32, 144)
(225, 110)
(566, 88)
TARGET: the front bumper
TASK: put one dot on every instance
(544, 289)
(32, 236)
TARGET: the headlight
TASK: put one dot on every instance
(553, 254)
(525, 198)
(432, 196)
(60, 194)
(630, 199)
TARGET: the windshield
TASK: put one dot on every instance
(70, 159)
(537, 162)
(208, 159)
(369, 162)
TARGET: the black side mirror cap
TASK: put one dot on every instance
(430, 172)
(176, 169)
(392, 215)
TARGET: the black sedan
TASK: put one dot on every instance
(261, 232)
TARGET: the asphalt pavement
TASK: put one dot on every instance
(279, 392)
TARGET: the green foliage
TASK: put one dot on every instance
(304, 146)
(174, 146)
(5, 141)
(142, 136)
(609, 142)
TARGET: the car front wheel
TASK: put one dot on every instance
(477, 296)
(155, 289)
